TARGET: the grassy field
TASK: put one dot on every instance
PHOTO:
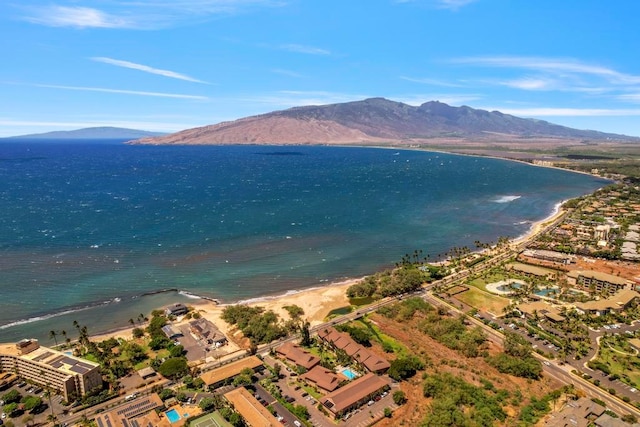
(481, 282)
(483, 300)
(620, 363)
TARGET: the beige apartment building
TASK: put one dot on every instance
(67, 374)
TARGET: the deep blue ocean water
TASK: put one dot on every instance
(100, 225)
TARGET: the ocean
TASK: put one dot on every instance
(92, 233)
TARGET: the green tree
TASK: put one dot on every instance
(31, 403)
(399, 397)
(12, 396)
(174, 367)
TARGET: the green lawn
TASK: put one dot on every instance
(620, 364)
(339, 312)
(483, 300)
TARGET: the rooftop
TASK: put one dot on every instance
(353, 392)
(231, 370)
(251, 410)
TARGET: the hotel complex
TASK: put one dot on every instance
(69, 375)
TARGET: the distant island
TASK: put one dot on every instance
(99, 133)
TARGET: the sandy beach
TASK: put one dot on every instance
(316, 303)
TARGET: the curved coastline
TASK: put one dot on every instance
(313, 287)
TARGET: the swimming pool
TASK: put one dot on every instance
(347, 372)
(510, 287)
(173, 416)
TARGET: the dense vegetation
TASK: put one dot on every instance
(258, 325)
(517, 358)
(458, 403)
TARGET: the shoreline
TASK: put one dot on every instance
(534, 228)
(316, 302)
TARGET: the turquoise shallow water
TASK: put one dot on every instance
(87, 230)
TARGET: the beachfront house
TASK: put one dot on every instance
(177, 309)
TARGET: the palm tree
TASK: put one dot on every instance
(53, 335)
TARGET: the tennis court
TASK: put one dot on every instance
(210, 420)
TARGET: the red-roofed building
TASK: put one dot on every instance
(298, 356)
(341, 340)
(354, 394)
(323, 378)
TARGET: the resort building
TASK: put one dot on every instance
(297, 356)
(532, 271)
(538, 309)
(323, 378)
(552, 256)
(139, 412)
(616, 303)
(354, 394)
(219, 376)
(342, 341)
(70, 376)
(597, 282)
(250, 409)
(208, 332)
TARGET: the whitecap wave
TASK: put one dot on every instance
(58, 314)
(189, 295)
(506, 199)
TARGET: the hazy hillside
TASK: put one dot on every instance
(374, 120)
(91, 133)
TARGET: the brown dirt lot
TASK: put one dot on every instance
(445, 360)
(625, 269)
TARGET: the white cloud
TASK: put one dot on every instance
(528, 83)
(139, 14)
(78, 17)
(287, 73)
(632, 97)
(158, 126)
(453, 4)
(566, 112)
(123, 91)
(299, 48)
(429, 81)
(555, 66)
(451, 99)
(146, 69)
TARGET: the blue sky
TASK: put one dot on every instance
(168, 65)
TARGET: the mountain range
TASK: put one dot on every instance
(105, 132)
(376, 120)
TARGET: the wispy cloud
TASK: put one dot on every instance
(123, 91)
(529, 83)
(447, 98)
(146, 69)
(294, 98)
(429, 81)
(287, 73)
(77, 17)
(551, 65)
(453, 4)
(566, 112)
(139, 14)
(300, 48)
(159, 125)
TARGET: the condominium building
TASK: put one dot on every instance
(69, 375)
